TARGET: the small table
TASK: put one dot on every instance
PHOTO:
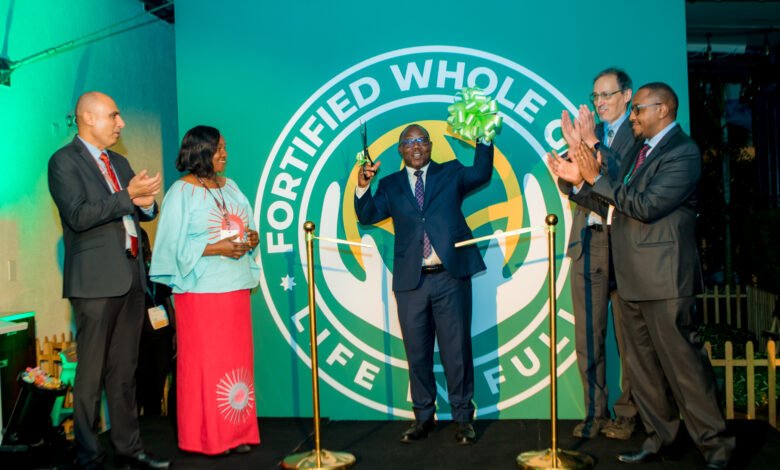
(5, 328)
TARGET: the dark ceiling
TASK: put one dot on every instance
(744, 25)
(165, 13)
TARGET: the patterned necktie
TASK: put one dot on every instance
(419, 194)
(610, 135)
(640, 159)
(115, 186)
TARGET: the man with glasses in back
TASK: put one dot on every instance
(658, 276)
(592, 280)
(431, 278)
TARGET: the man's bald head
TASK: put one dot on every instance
(98, 119)
(88, 101)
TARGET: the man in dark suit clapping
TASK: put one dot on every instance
(592, 279)
(431, 278)
(658, 275)
(101, 201)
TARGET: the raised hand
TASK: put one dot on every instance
(589, 167)
(564, 169)
(587, 126)
(143, 186)
(366, 173)
(570, 133)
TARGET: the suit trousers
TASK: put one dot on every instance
(108, 332)
(664, 356)
(590, 289)
(438, 309)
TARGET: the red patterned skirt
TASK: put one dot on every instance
(215, 390)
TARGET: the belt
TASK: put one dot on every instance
(432, 269)
(596, 227)
(129, 254)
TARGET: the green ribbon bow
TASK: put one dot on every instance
(474, 115)
(361, 158)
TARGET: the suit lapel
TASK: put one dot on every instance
(628, 160)
(90, 163)
(431, 180)
(118, 169)
(624, 139)
(656, 152)
(402, 180)
(668, 137)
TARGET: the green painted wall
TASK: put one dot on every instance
(136, 67)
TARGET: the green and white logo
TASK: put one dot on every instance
(310, 174)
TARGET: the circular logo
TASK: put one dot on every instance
(236, 396)
(311, 175)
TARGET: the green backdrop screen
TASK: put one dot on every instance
(288, 85)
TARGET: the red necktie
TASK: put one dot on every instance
(115, 185)
(640, 159)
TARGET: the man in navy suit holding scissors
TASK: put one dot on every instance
(431, 278)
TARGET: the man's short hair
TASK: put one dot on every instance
(665, 94)
(403, 132)
(624, 81)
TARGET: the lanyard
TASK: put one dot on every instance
(219, 202)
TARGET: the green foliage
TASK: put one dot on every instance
(717, 335)
(763, 249)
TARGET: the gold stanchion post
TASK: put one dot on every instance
(317, 459)
(553, 457)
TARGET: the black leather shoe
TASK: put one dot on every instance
(465, 435)
(141, 460)
(418, 430)
(717, 465)
(642, 456)
(242, 449)
(89, 466)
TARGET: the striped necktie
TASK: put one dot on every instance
(640, 159)
(419, 194)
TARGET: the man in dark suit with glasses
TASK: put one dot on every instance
(658, 275)
(431, 278)
(592, 280)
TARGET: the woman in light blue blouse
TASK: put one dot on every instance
(203, 251)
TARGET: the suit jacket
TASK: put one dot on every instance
(95, 260)
(446, 186)
(612, 156)
(653, 229)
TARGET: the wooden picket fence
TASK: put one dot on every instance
(48, 359)
(717, 299)
(750, 363)
(741, 307)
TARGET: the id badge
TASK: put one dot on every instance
(223, 234)
(158, 317)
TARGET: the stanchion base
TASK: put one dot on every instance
(543, 459)
(329, 460)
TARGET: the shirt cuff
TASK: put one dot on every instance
(148, 211)
(359, 192)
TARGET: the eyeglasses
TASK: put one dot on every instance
(419, 140)
(639, 107)
(603, 96)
